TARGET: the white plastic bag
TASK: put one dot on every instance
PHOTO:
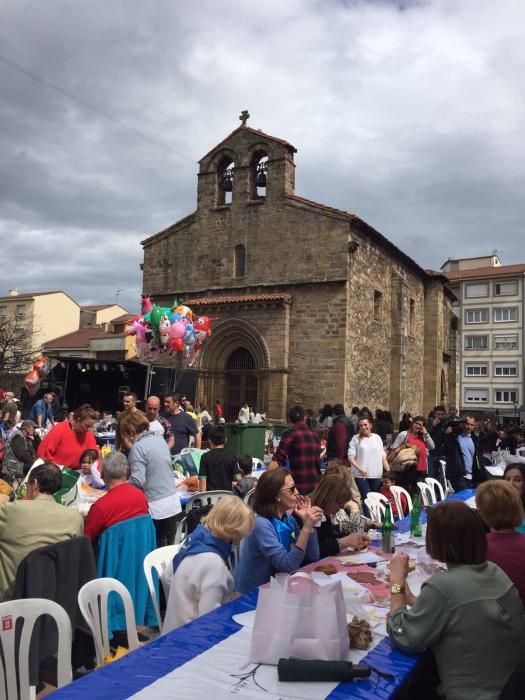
(296, 618)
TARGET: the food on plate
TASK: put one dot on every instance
(363, 577)
(361, 547)
(89, 490)
(411, 565)
(327, 569)
(360, 633)
(191, 483)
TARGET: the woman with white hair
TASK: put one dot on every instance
(199, 578)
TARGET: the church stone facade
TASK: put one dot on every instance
(312, 304)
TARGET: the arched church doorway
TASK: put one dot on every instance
(241, 382)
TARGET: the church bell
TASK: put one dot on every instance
(227, 184)
(260, 180)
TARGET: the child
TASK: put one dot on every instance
(89, 469)
(218, 468)
(199, 580)
(248, 482)
(389, 480)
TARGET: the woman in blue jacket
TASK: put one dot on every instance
(277, 543)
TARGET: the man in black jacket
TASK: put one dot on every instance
(460, 447)
(21, 449)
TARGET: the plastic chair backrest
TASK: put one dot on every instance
(426, 493)
(376, 508)
(248, 499)
(376, 496)
(30, 609)
(93, 604)
(181, 532)
(159, 559)
(396, 492)
(258, 463)
(435, 484)
(206, 498)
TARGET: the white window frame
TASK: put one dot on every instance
(506, 346)
(477, 316)
(503, 398)
(483, 398)
(506, 310)
(513, 293)
(504, 366)
(467, 337)
(473, 366)
(470, 285)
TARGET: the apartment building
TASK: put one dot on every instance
(490, 308)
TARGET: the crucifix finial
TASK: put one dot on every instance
(245, 115)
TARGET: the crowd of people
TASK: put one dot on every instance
(299, 513)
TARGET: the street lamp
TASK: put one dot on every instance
(516, 410)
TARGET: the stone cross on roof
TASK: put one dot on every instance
(245, 115)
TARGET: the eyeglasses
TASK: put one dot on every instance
(290, 489)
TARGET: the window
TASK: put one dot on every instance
(505, 342)
(504, 289)
(412, 318)
(476, 370)
(505, 315)
(477, 316)
(505, 369)
(21, 310)
(378, 306)
(474, 290)
(240, 261)
(3, 310)
(476, 342)
(476, 395)
(505, 396)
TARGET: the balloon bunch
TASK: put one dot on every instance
(33, 379)
(168, 329)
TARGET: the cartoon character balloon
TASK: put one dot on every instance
(168, 329)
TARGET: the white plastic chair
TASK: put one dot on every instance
(446, 483)
(206, 498)
(181, 532)
(376, 508)
(248, 499)
(435, 484)
(396, 492)
(159, 559)
(30, 609)
(93, 604)
(375, 496)
(426, 493)
(258, 463)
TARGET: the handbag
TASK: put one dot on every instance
(296, 618)
(404, 457)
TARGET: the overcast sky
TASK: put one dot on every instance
(409, 114)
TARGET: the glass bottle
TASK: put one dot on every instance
(415, 517)
(387, 538)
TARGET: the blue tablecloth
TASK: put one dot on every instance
(144, 666)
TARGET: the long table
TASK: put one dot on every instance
(139, 669)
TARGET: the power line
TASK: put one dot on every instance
(81, 101)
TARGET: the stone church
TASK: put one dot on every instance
(313, 305)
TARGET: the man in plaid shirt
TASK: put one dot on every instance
(302, 447)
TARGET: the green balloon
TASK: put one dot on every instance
(155, 316)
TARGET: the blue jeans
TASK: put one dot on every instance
(365, 486)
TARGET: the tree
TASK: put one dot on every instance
(17, 351)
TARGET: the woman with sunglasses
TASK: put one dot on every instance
(277, 543)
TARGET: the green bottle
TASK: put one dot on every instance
(388, 531)
(415, 517)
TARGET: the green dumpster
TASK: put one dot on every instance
(246, 438)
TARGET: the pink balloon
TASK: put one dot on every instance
(177, 329)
